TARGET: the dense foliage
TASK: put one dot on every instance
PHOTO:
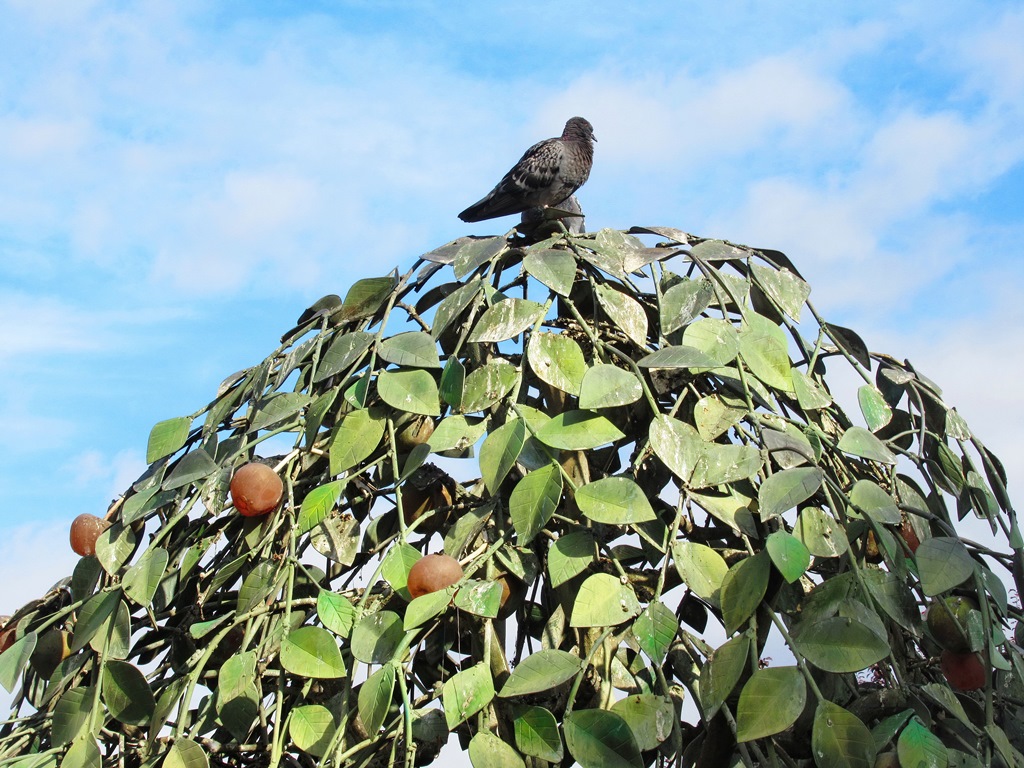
(676, 547)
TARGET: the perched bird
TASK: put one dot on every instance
(548, 174)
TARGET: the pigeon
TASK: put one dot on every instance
(548, 174)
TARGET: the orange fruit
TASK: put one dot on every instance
(964, 671)
(85, 529)
(256, 489)
(431, 573)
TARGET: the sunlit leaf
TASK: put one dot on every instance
(770, 702)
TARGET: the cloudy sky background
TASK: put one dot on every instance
(178, 180)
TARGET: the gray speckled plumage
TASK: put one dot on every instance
(548, 173)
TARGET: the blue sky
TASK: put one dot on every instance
(180, 179)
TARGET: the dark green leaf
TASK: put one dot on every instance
(140, 582)
(167, 437)
(376, 637)
(677, 357)
(275, 409)
(603, 601)
(312, 652)
(506, 319)
(578, 431)
(839, 739)
(789, 555)
(716, 338)
(556, 269)
(541, 671)
(414, 349)
(356, 438)
(476, 252)
(786, 489)
(557, 360)
(859, 442)
(536, 733)
(466, 693)
(919, 747)
(650, 718)
(840, 644)
(410, 391)
(655, 629)
(488, 751)
(614, 500)
(722, 671)
(365, 297)
(569, 556)
(342, 354)
(820, 533)
(488, 384)
(607, 386)
(375, 698)
(195, 465)
(764, 351)
(599, 738)
(126, 693)
(311, 727)
(743, 589)
(943, 563)
(14, 659)
(534, 500)
(683, 302)
(499, 452)
(701, 568)
(770, 702)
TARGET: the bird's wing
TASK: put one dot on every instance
(536, 170)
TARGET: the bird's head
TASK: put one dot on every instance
(578, 129)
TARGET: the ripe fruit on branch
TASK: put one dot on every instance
(964, 671)
(85, 529)
(947, 621)
(431, 573)
(513, 590)
(909, 535)
(256, 489)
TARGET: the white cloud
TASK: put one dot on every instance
(24, 572)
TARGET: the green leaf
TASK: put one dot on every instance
(859, 442)
(318, 504)
(412, 349)
(578, 431)
(185, 753)
(556, 269)
(607, 386)
(716, 338)
(466, 693)
(375, 698)
(499, 452)
(318, 410)
(683, 302)
(505, 319)
(488, 384)
(335, 612)
(456, 433)
(614, 500)
(603, 601)
(536, 733)
(892, 595)
(764, 351)
(453, 305)
(93, 615)
(714, 416)
(650, 718)
(312, 652)
(839, 739)
(453, 383)
(677, 357)
(399, 559)
(355, 438)
(140, 582)
(917, 746)
(311, 727)
(820, 533)
(14, 659)
(625, 311)
(167, 437)
(770, 702)
(195, 465)
(809, 393)
(557, 360)
(722, 671)
(786, 489)
(677, 444)
(943, 563)
(83, 753)
(785, 288)
(71, 714)
(115, 546)
(541, 671)
(534, 500)
(488, 751)
(277, 408)
(376, 637)
(343, 353)
(655, 629)
(256, 587)
(476, 252)
(599, 738)
(481, 598)
(365, 297)
(701, 568)
(743, 589)
(869, 498)
(425, 607)
(409, 390)
(569, 556)
(789, 555)
(877, 412)
(721, 464)
(840, 644)
(126, 693)
(237, 697)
